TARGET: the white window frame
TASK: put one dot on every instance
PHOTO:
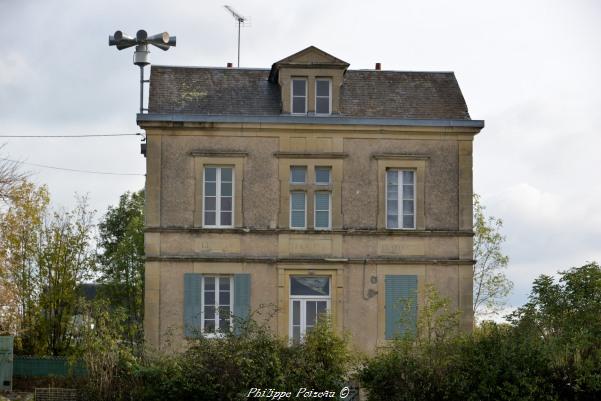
(329, 81)
(400, 209)
(217, 332)
(218, 196)
(305, 211)
(329, 168)
(292, 95)
(303, 306)
(329, 227)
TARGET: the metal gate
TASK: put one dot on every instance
(6, 363)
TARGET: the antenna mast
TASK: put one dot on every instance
(240, 20)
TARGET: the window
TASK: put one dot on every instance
(298, 208)
(322, 175)
(323, 96)
(322, 210)
(309, 298)
(217, 301)
(298, 174)
(400, 198)
(299, 96)
(218, 197)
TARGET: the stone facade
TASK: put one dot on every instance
(356, 253)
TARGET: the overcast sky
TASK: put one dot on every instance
(531, 69)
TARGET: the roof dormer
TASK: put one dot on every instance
(310, 82)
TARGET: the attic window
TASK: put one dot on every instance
(299, 96)
(323, 96)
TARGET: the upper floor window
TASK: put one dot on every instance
(323, 213)
(400, 198)
(299, 96)
(298, 174)
(298, 210)
(322, 175)
(323, 96)
(218, 197)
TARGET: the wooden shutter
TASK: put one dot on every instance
(241, 299)
(401, 305)
(192, 304)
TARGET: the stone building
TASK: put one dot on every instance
(307, 187)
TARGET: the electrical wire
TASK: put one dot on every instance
(68, 136)
(70, 169)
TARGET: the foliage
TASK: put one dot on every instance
(551, 351)
(121, 261)
(491, 285)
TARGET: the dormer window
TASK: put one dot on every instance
(323, 96)
(299, 96)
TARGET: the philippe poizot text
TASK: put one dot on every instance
(274, 394)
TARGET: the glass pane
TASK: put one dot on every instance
(392, 177)
(295, 312)
(224, 323)
(226, 218)
(311, 313)
(299, 87)
(322, 105)
(209, 326)
(209, 313)
(408, 177)
(407, 207)
(322, 175)
(322, 307)
(318, 285)
(210, 218)
(210, 174)
(224, 298)
(209, 283)
(210, 189)
(322, 201)
(407, 191)
(226, 189)
(323, 87)
(392, 193)
(226, 174)
(209, 298)
(392, 207)
(298, 174)
(210, 203)
(226, 204)
(298, 219)
(392, 221)
(224, 283)
(296, 334)
(322, 219)
(408, 221)
(297, 200)
(298, 105)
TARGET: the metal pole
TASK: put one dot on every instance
(141, 89)
(239, 21)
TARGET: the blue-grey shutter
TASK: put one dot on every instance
(401, 305)
(192, 304)
(241, 299)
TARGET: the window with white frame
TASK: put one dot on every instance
(218, 197)
(217, 304)
(323, 213)
(323, 175)
(298, 209)
(400, 199)
(299, 95)
(309, 298)
(323, 96)
(298, 174)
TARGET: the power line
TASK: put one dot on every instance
(70, 169)
(68, 136)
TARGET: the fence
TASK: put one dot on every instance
(46, 366)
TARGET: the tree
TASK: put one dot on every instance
(491, 285)
(121, 261)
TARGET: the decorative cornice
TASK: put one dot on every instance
(310, 155)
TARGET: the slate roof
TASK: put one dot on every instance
(364, 93)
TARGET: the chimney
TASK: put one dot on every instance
(378, 66)
(229, 65)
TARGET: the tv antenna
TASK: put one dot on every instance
(142, 55)
(241, 20)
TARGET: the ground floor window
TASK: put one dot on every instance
(309, 298)
(217, 301)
